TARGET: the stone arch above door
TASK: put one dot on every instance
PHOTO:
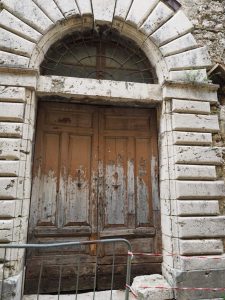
(159, 27)
(189, 186)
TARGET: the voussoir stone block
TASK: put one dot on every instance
(84, 6)
(193, 58)
(13, 43)
(157, 17)
(68, 7)
(191, 122)
(50, 9)
(13, 60)
(122, 8)
(200, 189)
(139, 10)
(30, 13)
(181, 44)
(103, 10)
(189, 75)
(178, 25)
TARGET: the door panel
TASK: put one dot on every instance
(95, 175)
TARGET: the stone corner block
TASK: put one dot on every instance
(146, 287)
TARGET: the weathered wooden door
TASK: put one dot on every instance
(94, 176)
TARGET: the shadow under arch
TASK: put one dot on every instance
(85, 23)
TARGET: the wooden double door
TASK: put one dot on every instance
(95, 176)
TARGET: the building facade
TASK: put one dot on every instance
(155, 129)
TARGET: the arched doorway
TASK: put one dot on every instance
(95, 172)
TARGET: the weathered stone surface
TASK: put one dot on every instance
(198, 155)
(13, 94)
(144, 286)
(10, 208)
(13, 60)
(122, 8)
(8, 188)
(84, 6)
(193, 58)
(157, 17)
(68, 7)
(51, 9)
(191, 138)
(9, 168)
(103, 9)
(105, 89)
(200, 189)
(181, 44)
(198, 207)
(189, 75)
(192, 92)
(188, 106)
(11, 129)
(10, 148)
(14, 43)
(178, 25)
(18, 79)
(200, 247)
(11, 112)
(30, 13)
(9, 21)
(200, 123)
(140, 9)
(191, 172)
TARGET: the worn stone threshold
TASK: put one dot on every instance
(104, 295)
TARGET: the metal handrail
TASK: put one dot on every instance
(73, 244)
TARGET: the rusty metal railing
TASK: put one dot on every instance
(73, 245)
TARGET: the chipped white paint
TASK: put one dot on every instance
(115, 194)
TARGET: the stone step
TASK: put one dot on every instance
(104, 295)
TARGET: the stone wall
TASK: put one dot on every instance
(208, 18)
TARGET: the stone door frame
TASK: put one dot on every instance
(190, 189)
